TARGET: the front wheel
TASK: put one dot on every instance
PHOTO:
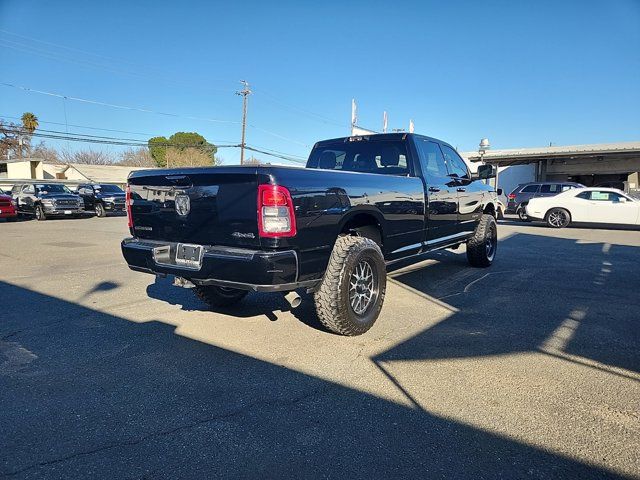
(482, 246)
(215, 296)
(40, 215)
(100, 211)
(558, 218)
(352, 291)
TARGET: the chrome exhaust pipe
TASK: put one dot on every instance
(182, 282)
(293, 299)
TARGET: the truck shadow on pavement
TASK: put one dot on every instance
(90, 394)
(542, 294)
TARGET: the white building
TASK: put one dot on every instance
(28, 169)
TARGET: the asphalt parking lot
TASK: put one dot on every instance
(529, 369)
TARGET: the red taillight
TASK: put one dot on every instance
(276, 217)
(127, 201)
(511, 196)
(273, 198)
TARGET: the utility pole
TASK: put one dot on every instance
(245, 92)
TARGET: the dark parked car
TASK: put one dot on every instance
(331, 228)
(102, 198)
(518, 198)
(44, 200)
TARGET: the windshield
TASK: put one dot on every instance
(52, 188)
(382, 157)
(107, 189)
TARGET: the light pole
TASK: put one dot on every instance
(482, 149)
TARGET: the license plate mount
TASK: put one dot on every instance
(67, 212)
(189, 255)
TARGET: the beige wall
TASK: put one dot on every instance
(20, 170)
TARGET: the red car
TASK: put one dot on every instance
(7, 207)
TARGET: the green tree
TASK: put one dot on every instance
(186, 148)
(158, 150)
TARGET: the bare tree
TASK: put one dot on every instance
(88, 157)
(136, 158)
(48, 154)
(188, 157)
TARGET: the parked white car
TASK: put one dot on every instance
(588, 205)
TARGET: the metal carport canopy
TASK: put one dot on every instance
(522, 156)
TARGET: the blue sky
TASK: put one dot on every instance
(521, 73)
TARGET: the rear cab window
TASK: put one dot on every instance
(383, 157)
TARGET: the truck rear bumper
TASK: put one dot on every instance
(257, 270)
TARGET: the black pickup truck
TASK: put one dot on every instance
(332, 227)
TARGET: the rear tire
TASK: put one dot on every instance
(482, 247)
(215, 296)
(350, 297)
(100, 211)
(40, 215)
(522, 214)
(558, 218)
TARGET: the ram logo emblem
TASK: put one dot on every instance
(183, 205)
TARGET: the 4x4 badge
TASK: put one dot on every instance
(183, 205)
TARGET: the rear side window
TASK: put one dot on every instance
(552, 188)
(381, 157)
(530, 189)
(431, 159)
(601, 196)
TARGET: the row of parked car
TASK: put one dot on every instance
(45, 200)
(561, 203)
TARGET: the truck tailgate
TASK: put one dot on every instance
(205, 206)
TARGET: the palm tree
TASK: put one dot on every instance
(29, 125)
(29, 122)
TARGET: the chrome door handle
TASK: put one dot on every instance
(462, 189)
(434, 189)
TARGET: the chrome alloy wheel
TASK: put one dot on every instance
(558, 218)
(491, 242)
(363, 287)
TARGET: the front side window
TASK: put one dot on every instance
(381, 157)
(28, 189)
(455, 164)
(530, 189)
(431, 159)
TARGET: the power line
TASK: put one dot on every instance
(284, 157)
(146, 110)
(84, 126)
(137, 68)
(115, 141)
(308, 113)
(112, 105)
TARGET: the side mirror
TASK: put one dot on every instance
(499, 191)
(486, 171)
